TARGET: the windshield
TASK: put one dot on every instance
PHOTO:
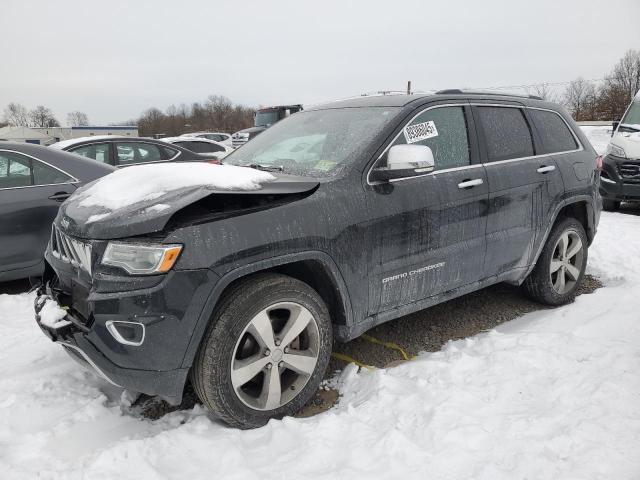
(632, 117)
(314, 143)
(267, 117)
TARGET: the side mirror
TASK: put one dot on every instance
(405, 161)
(614, 126)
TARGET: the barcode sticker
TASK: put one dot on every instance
(420, 131)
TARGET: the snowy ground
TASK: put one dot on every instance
(598, 136)
(553, 394)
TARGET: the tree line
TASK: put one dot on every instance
(605, 99)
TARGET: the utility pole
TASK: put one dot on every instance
(409, 87)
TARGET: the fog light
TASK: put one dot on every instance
(127, 333)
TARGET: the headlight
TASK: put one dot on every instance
(615, 150)
(141, 259)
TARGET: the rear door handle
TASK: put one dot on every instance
(545, 169)
(59, 196)
(470, 183)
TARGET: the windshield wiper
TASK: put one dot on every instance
(266, 168)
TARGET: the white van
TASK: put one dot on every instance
(620, 176)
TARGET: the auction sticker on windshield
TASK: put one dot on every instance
(420, 131)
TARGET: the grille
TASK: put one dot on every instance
(70, 250)
(629, 171)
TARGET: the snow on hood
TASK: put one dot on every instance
(143, 183)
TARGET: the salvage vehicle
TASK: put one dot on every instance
(620, 176)
(371, 209)
(34, 181)
(263, 119)
(220, 137)
(126, 151)
(202, 146)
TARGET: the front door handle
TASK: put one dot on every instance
(470, 183)
(546, 169)
(59, 196)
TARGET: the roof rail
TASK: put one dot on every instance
(457, 91)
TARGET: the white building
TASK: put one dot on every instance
(57, 134)
(24, 135)
(49, 135)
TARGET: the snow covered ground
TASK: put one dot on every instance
(554, 394)
(598, 136)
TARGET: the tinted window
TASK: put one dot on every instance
(201, 147)
(506, 133)
(97, 151)
(129, 153)
(169, 152)
(554, 133)
(446, 128)
(15, 170)
(45, 175)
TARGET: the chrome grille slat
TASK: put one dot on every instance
(70, 250)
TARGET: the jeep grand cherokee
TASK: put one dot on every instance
(379, 207)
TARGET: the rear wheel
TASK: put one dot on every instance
(610, 205)
(561, 265)
(265, 352)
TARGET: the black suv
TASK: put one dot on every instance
(379, 207)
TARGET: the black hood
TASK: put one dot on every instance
(146, 218)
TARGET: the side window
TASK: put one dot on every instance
(15, 170)
(96, 151)
(554, 133)
(45, 175)
(202, 147)
(168, 153)
(129, 153)
(506, 133)
(444, 130)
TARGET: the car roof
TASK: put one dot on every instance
(95, 138)
(202, 133)
(189, 139)
(402, 100)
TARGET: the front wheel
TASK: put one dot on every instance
(561, 265)
(265, 352)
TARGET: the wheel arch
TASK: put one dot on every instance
(315, 268)
(582, 209)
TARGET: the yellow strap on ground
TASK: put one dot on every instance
(348, 359)
(389, 345)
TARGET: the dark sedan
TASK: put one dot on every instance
(126, 151)
(34, 181)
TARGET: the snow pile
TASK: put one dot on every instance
(140, 183)
(551, 395)
(51, 314)
(598, 136)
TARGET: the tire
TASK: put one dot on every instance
(239, 345)
(546, 286)
(610, 205)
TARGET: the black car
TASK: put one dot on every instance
(126, 151)
(34, 181)
(380, 206)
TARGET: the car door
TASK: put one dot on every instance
(30, 194)
(429, 231)
(521, 183)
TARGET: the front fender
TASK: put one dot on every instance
(240, 272)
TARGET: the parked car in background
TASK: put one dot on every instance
(201, 145)
(390, 205)
(220, 137)
(263, 119)
(620, 181)
(34, 181)
(126, 151)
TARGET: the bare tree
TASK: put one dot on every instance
(42, 116)
(77, 119)
(15, 114)
(626, 74)
(576, 97)
(544, 91)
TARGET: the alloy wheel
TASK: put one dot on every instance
(275, 356)
(566, 261)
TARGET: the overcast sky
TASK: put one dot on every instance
(115, 60)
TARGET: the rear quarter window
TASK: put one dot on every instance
(553, 131)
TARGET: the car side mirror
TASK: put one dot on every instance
(405, 161)
(614, 126)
